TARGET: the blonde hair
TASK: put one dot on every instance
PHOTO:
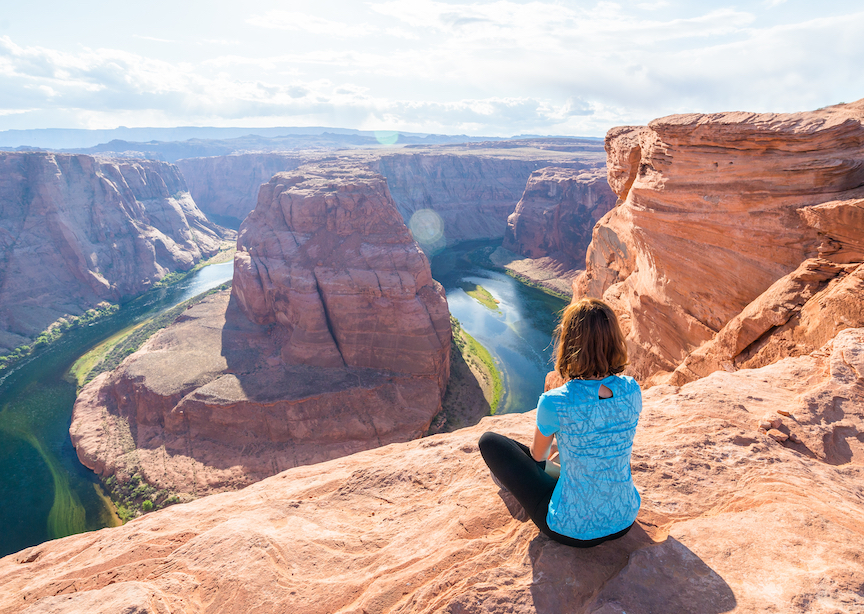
(589, 343)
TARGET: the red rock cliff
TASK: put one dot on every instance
(76, 230)
(228, 185)
(557, 212)
(326, 255)
(741, 231)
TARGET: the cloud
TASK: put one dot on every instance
(153, 38)
(303, 22)
(493, 68)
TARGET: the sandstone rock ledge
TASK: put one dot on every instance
(732, 520)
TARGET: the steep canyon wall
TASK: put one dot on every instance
(76, 230)
(739, 238)
(472, 188)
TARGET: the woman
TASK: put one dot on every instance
(594, 416)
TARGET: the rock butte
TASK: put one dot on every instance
(552, 224)
(731, 520)
(77, 230)
(334, 339)
(739, 238)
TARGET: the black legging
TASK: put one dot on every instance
(527, 480)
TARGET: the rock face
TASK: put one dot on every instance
(731, 520)
(76, 230)
(552, 224)
(557, 213)
(472, 194)
(739, 238)
(228, 186)
(325, 254)
(473, 188)
(334, 340)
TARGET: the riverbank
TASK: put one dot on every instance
(47, 492)
(474, 389)
(104, 310)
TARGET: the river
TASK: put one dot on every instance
(45, 492)
(518, 333)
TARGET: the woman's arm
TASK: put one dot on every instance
(542, 445)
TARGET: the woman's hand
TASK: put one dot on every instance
(541, 449)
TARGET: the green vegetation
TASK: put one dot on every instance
(481, 295)
(108, 355)
(469, 348)
(136, 497)
(56, 331)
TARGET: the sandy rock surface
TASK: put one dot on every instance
(77, 230)
(731, 521)
(739, 239)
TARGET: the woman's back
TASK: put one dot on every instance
(595, 495)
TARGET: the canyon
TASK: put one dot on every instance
(739, 239)
(76, 230)
(473, 188)
(333, 339)
(732, 251)
(732, 520)
(552, 225)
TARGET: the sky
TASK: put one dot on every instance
(498, 68)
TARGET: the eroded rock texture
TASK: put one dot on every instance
(732, 520)
(557, 212)
(326, 255)
(552, 224)
(335, 339)
(739, 239)
(228, 185)
(76, 230)
(473, 188)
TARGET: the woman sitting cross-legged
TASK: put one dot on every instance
(594, 416)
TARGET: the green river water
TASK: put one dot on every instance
(45, 492)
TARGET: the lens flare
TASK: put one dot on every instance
(428, 230)
(386, 137)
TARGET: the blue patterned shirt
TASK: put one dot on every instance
(595, 495)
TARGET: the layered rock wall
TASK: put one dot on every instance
(733, 518)
(473, 194)
(473, 188)
(726, 216)
(76, 230)
(228, 186)
(557, 213)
